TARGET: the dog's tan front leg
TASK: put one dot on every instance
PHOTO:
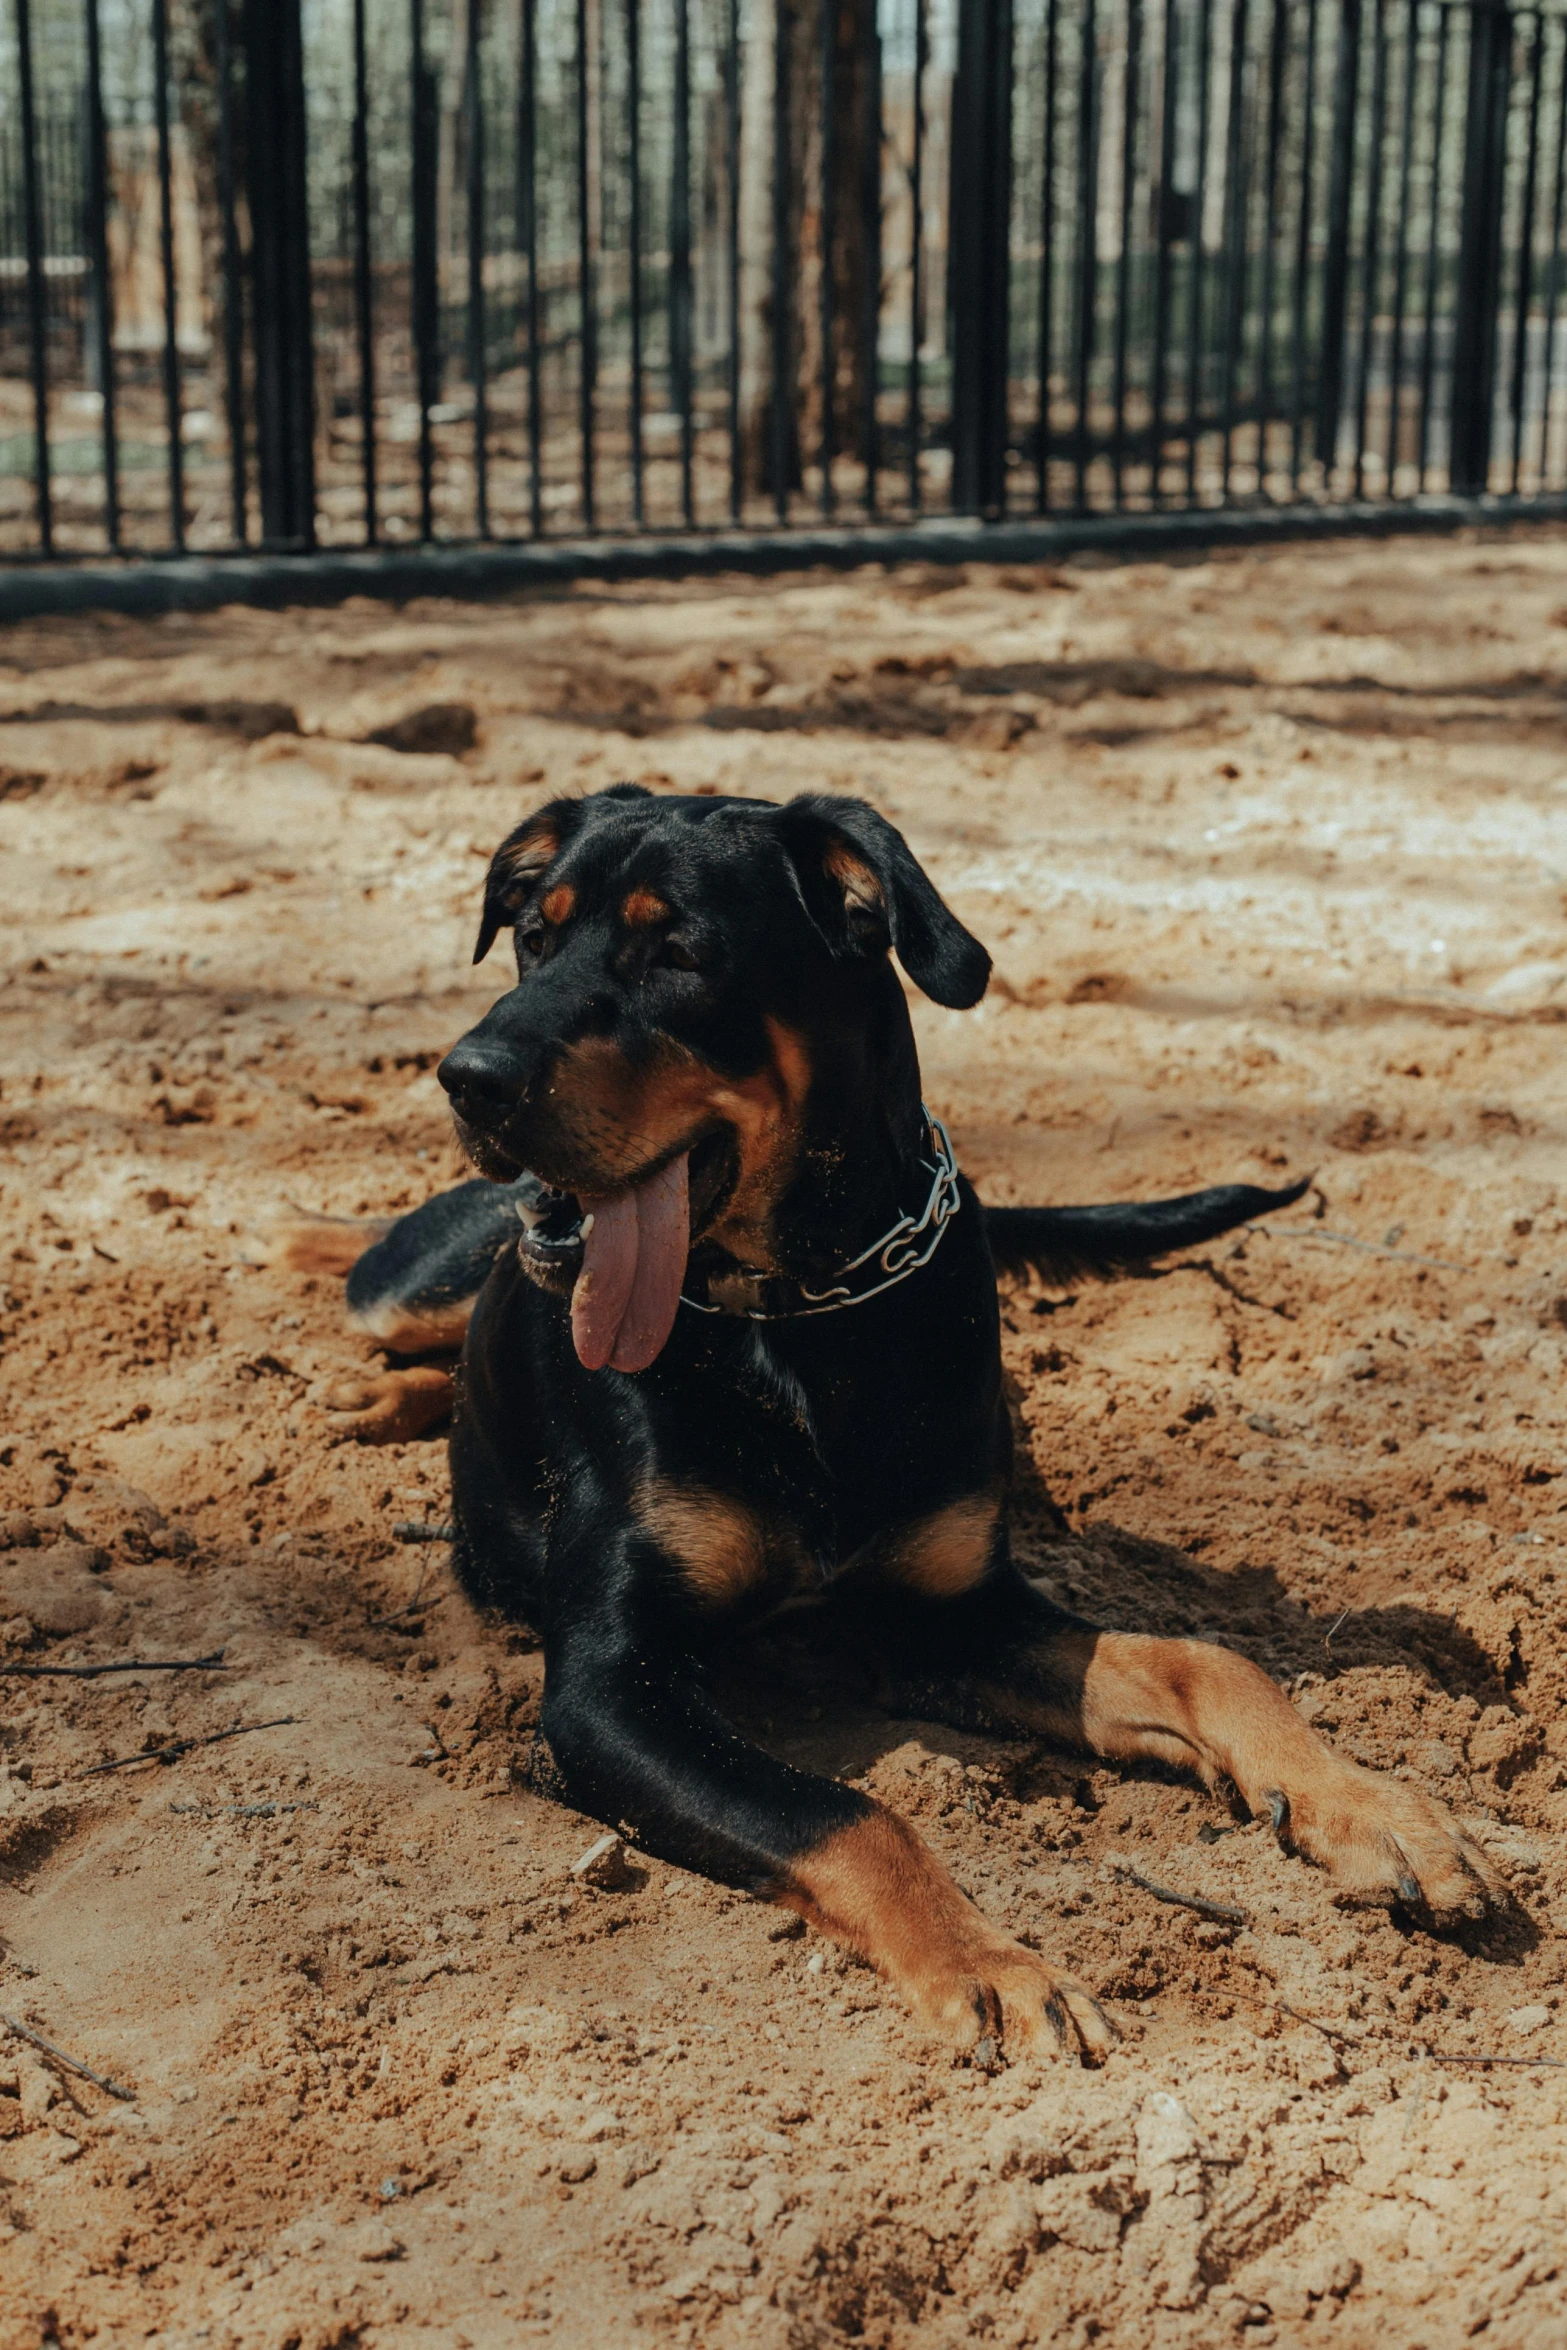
(1184, 1701)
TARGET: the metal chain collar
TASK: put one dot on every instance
(911, 1243)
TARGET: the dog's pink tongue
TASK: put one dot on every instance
(633, 1262)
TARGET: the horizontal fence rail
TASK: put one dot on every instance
(311, 275)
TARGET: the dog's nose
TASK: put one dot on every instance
(484, 1081)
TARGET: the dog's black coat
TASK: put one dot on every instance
(818, 1438)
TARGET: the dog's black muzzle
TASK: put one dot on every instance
(486, 1080)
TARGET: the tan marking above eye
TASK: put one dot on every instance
(643, 907)
(949, 1551)
(558, 904)
(722, 1548)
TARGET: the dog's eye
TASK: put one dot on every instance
(679, 956)
(531, 942)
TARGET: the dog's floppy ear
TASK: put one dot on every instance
(518, 865)
(866, 890)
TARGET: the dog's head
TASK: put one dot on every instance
(687, 970)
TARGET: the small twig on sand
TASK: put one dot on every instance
(135, 1664)
(1376, 2039)
(72, 2064)
(1195, 1901)
(1556, 2063)
(415, 1607)
(1283, 2007)
(172, 1753)
(1338, 1621)
(243, 1811)
(420, 1530)
(1372, 1248)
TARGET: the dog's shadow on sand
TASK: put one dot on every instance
(805, 1685)
(815, 1666)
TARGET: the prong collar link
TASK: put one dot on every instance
(911, 1243)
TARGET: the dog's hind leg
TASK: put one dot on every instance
(392, 1407)
(413, 1289)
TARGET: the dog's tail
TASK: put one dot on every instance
(1063, 1245)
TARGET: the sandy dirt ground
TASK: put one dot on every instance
(1272, 852)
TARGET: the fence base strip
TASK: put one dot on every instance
(140, 588)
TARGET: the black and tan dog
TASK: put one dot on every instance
(737, 1340)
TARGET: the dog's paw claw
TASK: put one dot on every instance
(1384, 1843)
(1018, 2005)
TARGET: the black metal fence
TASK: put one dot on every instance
(353, 273)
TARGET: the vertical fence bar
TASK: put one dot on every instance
(1480, 248)
(171, 349)
(1165, 232)
(634, 253)
(425, 289)
(280, 243)
(680, 302)
(364, 284)
(1553, 282)
(37, 310)
(1371, 259)
(732, 227)
(978, 245)
(1433, 248)
(1335, 274)
(1525, 292)
(1194, 320)
(870, 246)
(587, 372)
(829, 242)
(1395, 392)
(1087, 234)
(1236, 182)
(98, 262)
(1303, 256)
(528, 228)
(1277, 56)
(779, 417)
(478, 361)
(1047, 251)
(1123, 273)
(913, 416)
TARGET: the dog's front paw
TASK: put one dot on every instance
(1382, 1842)
(994, 1995)
(390, 1407)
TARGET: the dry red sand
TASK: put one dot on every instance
(1272, 852)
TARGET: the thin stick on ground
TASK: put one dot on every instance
(1219, 1910)
(135, 1664)
(415, 1607)
(420, 1530)
(243, 1811)
(1283, 2007)
(1556, 2063)
(1372, 1248)
(172, 1752)
(1375, 2039)
(72, 2064)
(379, 1623)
